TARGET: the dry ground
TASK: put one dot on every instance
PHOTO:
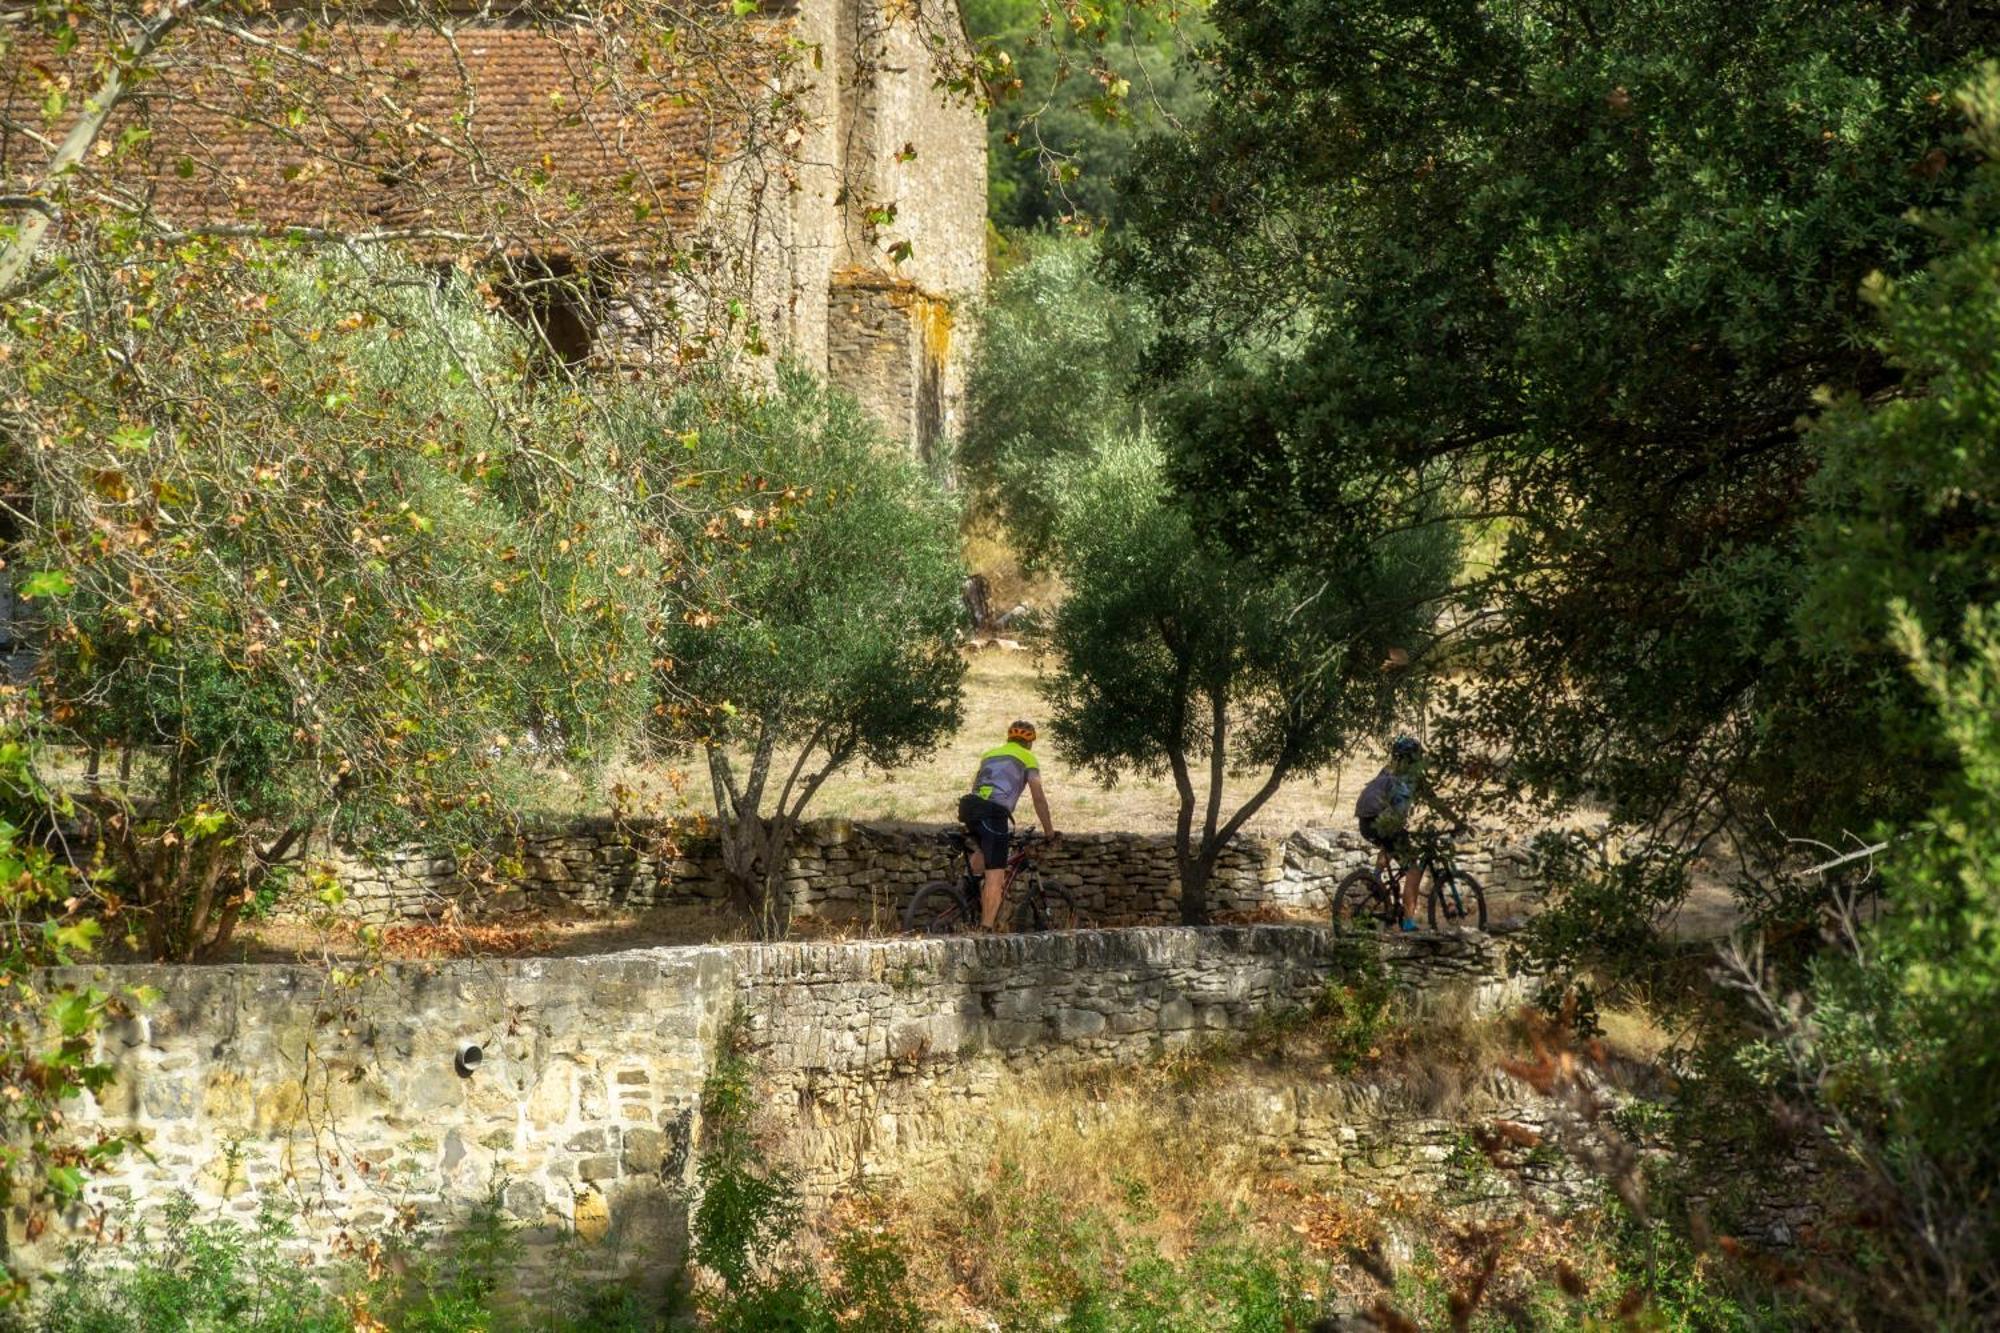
(1161, 1156)
(1000, 686)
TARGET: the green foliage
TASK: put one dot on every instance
(1352, 1014)
(1603, 903)
(812, 608)
(202, 1274)
(749, 1217)
(1573, 273)
(1892, 1056)
(196, 1274)
(1887, 1060)
(330, 555)
(1904, 493)
(49, 1024)
(1175, 654)
(1077, 85)
(1086, 1271)
(1047, 392)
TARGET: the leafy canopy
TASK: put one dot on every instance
(1172, 650)
(310, 543)
(1048, 388)
(811, 610)
(817, 588)
(1898, 1054)
(1074, 86)
(1571, 274)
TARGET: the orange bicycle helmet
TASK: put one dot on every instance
(1023, 732)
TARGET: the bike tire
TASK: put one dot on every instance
(1047, 907)
(934, 909)
(1471, 902)
(1359, 898)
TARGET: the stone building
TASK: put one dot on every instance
(792, 178)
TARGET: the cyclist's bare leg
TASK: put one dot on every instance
(990, 893)
(1412, 880)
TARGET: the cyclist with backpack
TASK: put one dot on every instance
(987, 811)
(1383, 812)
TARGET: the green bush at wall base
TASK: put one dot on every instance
(204, 1274)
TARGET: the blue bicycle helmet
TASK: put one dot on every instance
(1405, 747)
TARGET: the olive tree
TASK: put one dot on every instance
(309, 544)
(1174, 654)
(1047, 390)
(812, 618)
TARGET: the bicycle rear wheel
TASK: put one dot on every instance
(1360, 901)
(1457, 900)
(935, 909)
(1047, 907)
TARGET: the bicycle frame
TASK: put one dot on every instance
(1435, 860)
(1375, 888)
(1018, 860)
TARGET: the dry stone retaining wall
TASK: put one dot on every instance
(253, 1080)
(875, 1059)
(864, 872)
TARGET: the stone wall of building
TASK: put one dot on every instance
(887, 343)
(348, 1095)
(908, 143)
(861, 874)
(910, 200)
(855, 244)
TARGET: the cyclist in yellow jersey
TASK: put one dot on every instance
(987, 811)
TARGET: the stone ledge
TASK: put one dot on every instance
(587, 1098)
(845, 870)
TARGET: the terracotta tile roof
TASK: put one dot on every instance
(545, 140)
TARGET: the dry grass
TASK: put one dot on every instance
(1106, 1162)
(1154, 1155)
(517, 935)
(989, 551)
(999, 687)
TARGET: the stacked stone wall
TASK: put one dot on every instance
(861, 874)
(877, 1059)
(348, 1097)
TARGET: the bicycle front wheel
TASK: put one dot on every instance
(1457, 900)
(934, 909)
(1047, 907)
(1360, 900)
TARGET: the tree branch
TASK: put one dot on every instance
(82, 134)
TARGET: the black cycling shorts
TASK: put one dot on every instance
(1396, 844)
(989, 824)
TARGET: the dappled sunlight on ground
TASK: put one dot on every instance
(1001, 685)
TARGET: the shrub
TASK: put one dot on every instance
(747, 1223)
(201, 1274)
(813, 612)
(196, 1274)
(333, 558)
(1175, 655)
(1047, 392)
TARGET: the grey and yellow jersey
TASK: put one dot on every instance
(1003, 773)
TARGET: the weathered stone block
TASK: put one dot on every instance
(1079, 1024)
(1176, 1014)
(646, 1151)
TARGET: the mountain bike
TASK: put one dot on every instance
(1373, 895)
(947, 905)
